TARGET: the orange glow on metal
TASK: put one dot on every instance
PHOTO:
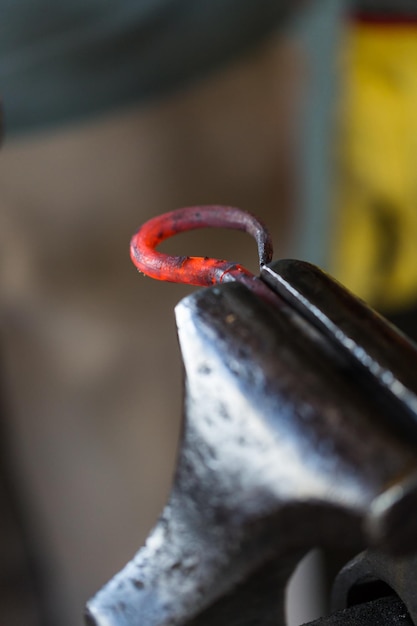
(193, 270)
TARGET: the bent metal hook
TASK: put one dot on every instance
(203, 271)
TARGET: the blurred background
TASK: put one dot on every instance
(115, 112)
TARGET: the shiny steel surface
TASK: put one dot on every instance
(282, 450)
(382, 357)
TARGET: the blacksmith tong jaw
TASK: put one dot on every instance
(300, 430)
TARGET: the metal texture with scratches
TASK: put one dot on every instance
(282, 450)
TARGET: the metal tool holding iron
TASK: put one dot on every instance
(300, 430)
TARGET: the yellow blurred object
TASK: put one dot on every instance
(374, 250)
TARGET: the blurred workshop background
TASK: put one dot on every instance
(115, 112)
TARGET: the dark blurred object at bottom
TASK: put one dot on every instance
(23, 598)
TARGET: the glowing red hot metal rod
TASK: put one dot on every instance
(195, 270)
(203, 271)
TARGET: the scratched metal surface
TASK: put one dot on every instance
(281, 451)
